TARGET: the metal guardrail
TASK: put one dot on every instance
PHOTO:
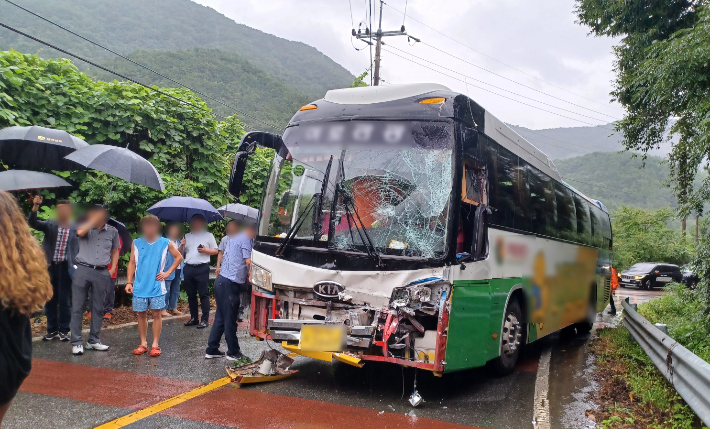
(686, 372)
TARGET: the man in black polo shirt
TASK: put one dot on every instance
(98, 247)
(59, 240)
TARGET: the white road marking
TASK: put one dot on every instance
(541, 409)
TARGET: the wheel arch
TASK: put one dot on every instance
(516, 293)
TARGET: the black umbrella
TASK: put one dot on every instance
(23, 180)
(119, 162)
(126, 239)
(239, 212)
(38, 148)
(182, 209)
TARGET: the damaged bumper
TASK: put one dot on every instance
(410, 331)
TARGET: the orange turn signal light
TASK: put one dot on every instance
(437, 100)
(308, 107)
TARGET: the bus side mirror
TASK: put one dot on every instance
(237, 176)
(246, 147)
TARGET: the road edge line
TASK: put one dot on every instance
(541, 404)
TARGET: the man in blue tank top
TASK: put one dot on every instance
(148, 266)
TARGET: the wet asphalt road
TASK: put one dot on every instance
(66, 391)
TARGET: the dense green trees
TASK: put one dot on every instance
(645, 236)
(618, 179)
(663, 80)
(187, 145)
(194, 44)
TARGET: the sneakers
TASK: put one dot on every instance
(77, 350)
(96, 346)
(211, 356)
(108, 316)
(237, 357)
(49, 336)
(64, 336)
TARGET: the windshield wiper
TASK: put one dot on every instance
(349, 203)
(318, 213)
(291, 234)
(317, 202)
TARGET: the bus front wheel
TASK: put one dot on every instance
(512, 338)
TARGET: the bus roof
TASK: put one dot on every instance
(403, 102)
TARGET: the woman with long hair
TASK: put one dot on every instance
(24, 288)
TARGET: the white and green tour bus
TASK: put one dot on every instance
(406, 224)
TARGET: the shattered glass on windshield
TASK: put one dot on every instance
(394, 186)
(401, 198)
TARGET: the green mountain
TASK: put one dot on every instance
(226, 77)
(297, 70)
(617, 179)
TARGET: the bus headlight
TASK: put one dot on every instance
(261, 277)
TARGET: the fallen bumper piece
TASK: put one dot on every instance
(325, 356)
(272, 365)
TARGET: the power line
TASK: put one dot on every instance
(516, 82)
(102, 67)
(497, 87)
(132, 61)
(504, 96)
(495, 59)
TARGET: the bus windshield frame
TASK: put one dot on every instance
(389, 189)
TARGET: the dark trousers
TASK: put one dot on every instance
(85, 279)
(197, 279)
(226, 293)
(58, 309)
(613, 305)
(109, 299)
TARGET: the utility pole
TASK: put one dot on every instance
(367, 38)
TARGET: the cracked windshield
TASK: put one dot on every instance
(387, 189)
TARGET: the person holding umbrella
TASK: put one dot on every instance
(199, 245)
(59, 238)
(98, 247)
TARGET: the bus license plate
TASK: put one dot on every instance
(663, 279)
(322, 338)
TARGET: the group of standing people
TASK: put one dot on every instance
(77, 261)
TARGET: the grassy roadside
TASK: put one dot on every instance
(683, 311)
(632, 392)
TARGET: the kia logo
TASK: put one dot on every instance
(328, 290)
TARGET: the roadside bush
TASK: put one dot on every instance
(645, 236)
(633, 393)
(683, 311)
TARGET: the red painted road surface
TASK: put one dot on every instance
(226, 406)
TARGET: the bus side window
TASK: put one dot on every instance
(474, 189)
(539, 218)
(595, 215)
(584, 227)
(566, 213)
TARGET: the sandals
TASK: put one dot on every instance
(155, 352)
(140, 350)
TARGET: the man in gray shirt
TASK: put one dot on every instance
(98, 247)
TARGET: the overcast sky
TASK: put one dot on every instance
(538, 37)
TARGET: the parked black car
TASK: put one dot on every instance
(690, 277)
(647, 275)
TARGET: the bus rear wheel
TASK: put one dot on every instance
(511, 339)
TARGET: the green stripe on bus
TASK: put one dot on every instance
(476, 314)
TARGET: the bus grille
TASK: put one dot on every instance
(607, 289)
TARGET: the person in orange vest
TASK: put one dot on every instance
(614, 286)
